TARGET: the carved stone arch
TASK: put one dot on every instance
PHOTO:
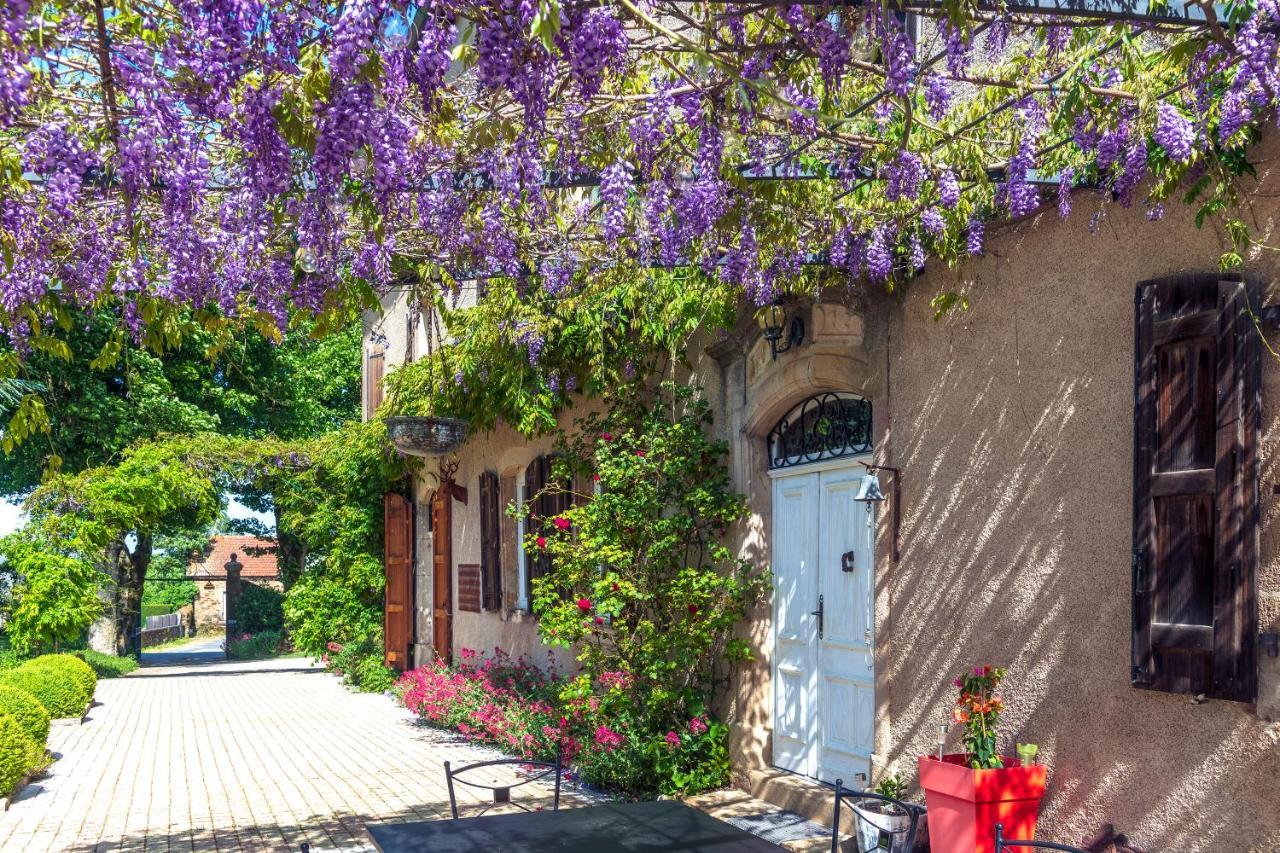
(778, 391)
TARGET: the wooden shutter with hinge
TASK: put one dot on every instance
(397, 625)
(1195, 490)
(490, 542)
(375, 362)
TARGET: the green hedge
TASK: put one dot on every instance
(73, 668)
(61, 695)
(18, 753)
(108, 666)
(27, 710)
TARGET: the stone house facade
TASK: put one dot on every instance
(1083, 489)
(208, 570)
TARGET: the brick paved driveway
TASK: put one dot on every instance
(203, 754)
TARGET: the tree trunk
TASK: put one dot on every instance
(133, 572)
(291, 554)
(104, 633)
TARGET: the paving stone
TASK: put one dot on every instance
(220, 756)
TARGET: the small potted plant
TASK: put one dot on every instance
(881, 825)
(968, 793)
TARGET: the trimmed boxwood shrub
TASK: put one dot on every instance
(61, 695)
(26, 709)
(18, 753)
(108, 666)
(74, 668)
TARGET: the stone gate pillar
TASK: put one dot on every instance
(232, 567)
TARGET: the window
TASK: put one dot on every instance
(490, 543)
(824, 426)
(522, 564)
(1195, 489)
(545, 500)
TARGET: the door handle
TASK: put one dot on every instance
(818, 613)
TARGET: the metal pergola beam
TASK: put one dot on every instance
(1153, 11)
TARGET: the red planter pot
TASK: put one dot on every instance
(966, 804)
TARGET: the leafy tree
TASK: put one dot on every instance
(107, 397)
(164, 583)
(102, 394)
(56, 596)
(111, 516)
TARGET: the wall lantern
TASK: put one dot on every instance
(869, 493)
(780, 334)
(208, 584)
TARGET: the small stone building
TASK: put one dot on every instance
(208, 569)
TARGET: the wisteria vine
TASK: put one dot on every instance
(250, 158)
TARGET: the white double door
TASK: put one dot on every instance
(823, 669)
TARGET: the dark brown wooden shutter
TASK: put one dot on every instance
(490, 542)
(374, 368)
(537, 561)
(1195, 493)
(397, 624)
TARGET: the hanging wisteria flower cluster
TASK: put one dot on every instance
(254, 157)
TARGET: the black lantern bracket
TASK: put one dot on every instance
(781, 332)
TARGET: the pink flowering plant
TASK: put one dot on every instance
(644, 591)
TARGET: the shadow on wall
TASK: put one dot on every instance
(1013, 426)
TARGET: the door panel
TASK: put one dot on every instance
(845, 663)
(795, 527)
(824, 687)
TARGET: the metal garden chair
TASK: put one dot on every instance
(887, 836)
(502, 793)
(1003, 844)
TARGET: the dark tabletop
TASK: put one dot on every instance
(648, 827)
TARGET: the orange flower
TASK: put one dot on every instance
(960, 716)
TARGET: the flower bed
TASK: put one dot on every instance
(519, 708)
(264, 644)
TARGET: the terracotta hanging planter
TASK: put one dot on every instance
(964, 804)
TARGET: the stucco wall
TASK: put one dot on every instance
(1012, 422)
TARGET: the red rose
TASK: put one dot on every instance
(693, 610)
(596, 477)
(599, 620)
(614, 586)
(562, 523)
(542, 541)
(584, 604)
(606, 436)
(640, 453)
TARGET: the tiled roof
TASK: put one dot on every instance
(256, 555)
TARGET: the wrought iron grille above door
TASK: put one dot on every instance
(825, 426)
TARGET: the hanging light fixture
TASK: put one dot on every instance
(773, 322)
